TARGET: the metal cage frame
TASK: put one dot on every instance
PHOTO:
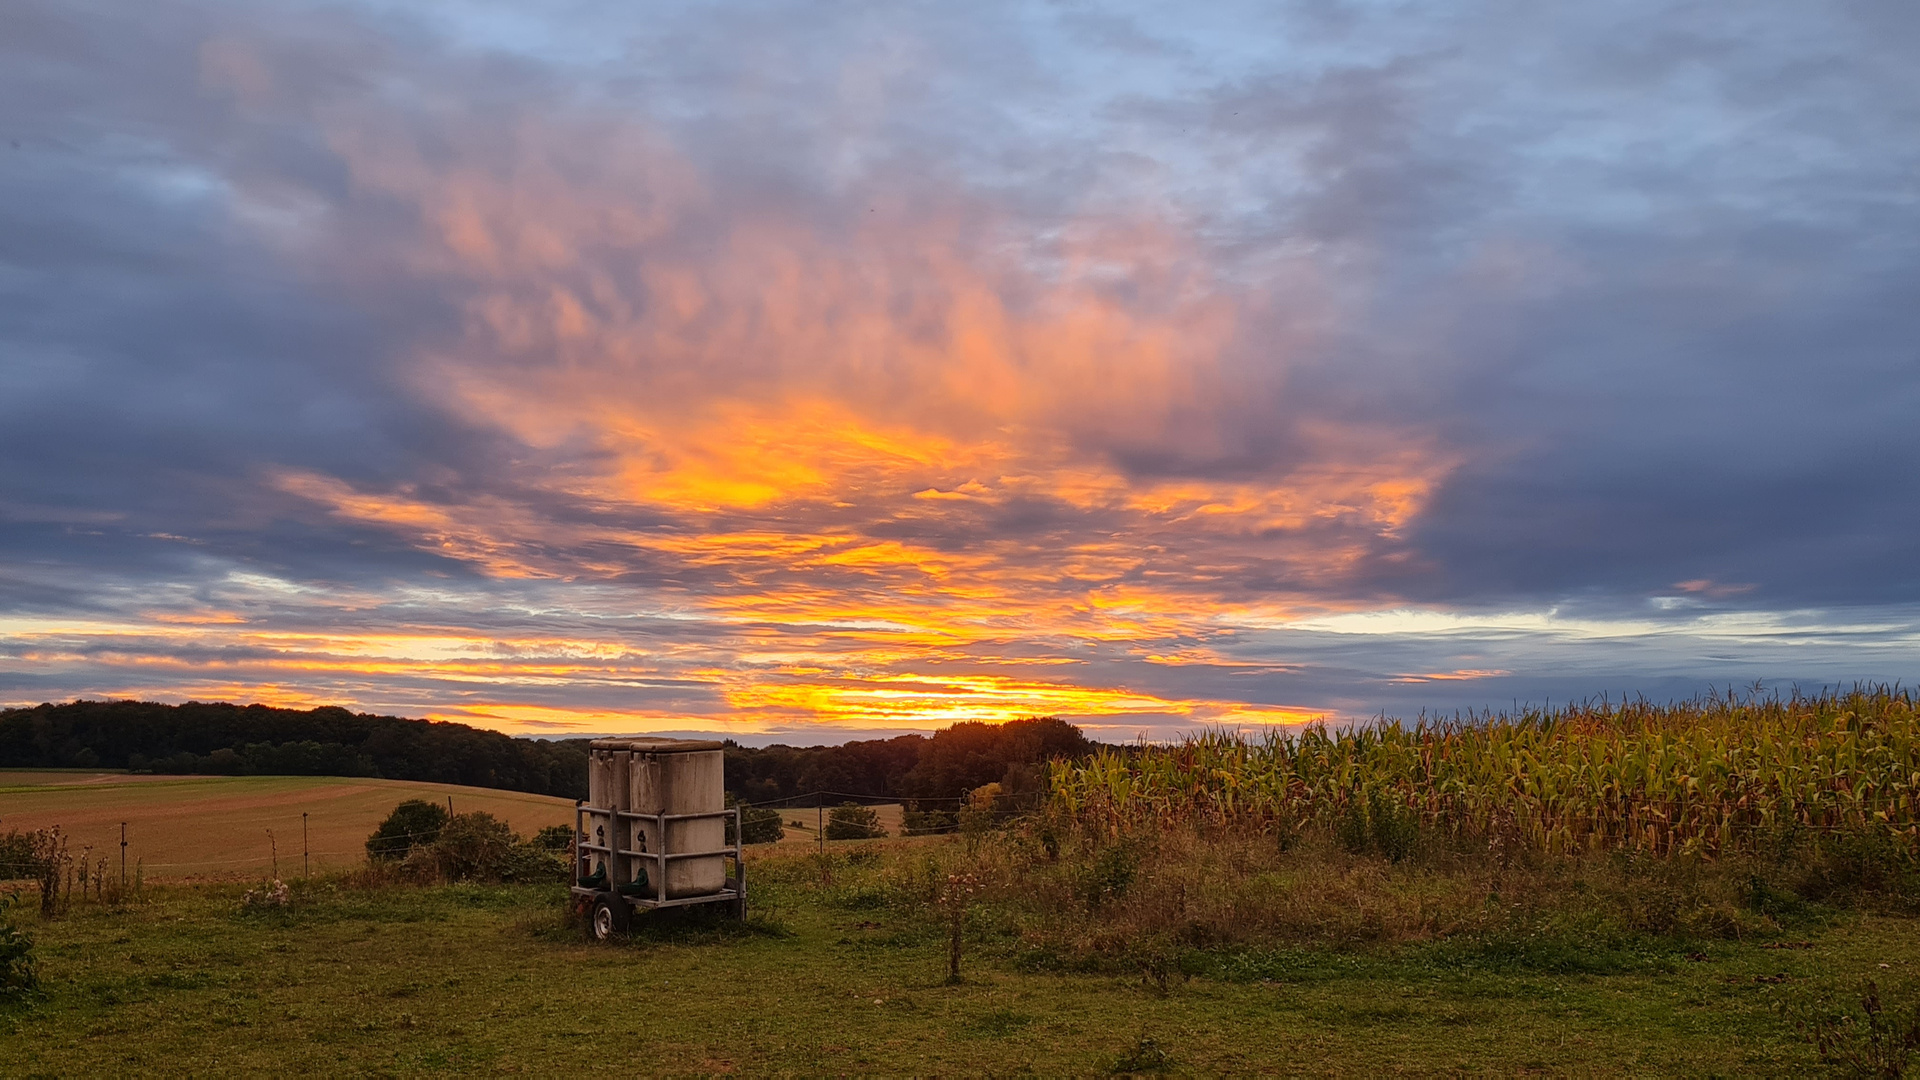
(733, 892)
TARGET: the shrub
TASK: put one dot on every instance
(1111, 873)
(19, 970)
(477, 846)
(16, 856)
(555, 838)
(532, 863)
(854, 822)
(40, 855)
(760, 825)
(1852, 866)
(928, 823)
(412, 824)
(473, 846)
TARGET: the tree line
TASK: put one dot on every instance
(943, 767)
(225, 739)
(218, 738)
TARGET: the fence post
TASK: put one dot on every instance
(304, 871)
(123, 855)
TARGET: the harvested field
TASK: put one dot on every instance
(802, 826)
(216, 826)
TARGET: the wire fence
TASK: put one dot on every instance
(15, 866)
(863, 800)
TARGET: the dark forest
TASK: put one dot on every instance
(225, 739)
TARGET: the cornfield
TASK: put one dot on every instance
(1711, 777)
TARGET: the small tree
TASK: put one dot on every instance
(851, 821)
(414, 823)
(954, 900)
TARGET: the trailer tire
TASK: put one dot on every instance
(607, 917)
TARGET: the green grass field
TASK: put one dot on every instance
(1186, 950)
(824, 981)
(214, 826)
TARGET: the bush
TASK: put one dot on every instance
(414, 823)
(928, 823)
(17, 857)
(976, 822)
(19, 970)
(473, 846)
(851, 821)
(480, 847)
(759, 825)
(1111, 873)
(40, 855)
(555, 838)
(1848, 868)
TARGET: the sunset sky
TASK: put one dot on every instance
(814, 371)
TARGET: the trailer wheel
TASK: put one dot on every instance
(607, 918)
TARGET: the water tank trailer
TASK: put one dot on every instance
(652, 832)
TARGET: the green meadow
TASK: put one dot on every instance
(847, 977)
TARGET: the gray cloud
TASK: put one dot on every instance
(1641, 276)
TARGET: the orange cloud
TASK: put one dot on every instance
(852, 457)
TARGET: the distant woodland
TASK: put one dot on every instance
(909, 768)
(224, 739)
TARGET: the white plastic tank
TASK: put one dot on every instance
(606, 776)
(607, 790)
(665, 776)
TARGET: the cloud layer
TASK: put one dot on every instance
(781, 370)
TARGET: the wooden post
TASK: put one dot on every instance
(819, 827)
(123, 855)
(304, 872)
(739, 865)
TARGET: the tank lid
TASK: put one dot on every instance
(657, 746)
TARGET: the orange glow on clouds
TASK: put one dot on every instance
(876, 474)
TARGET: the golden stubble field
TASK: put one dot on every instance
(217, 826)
(802, 826)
